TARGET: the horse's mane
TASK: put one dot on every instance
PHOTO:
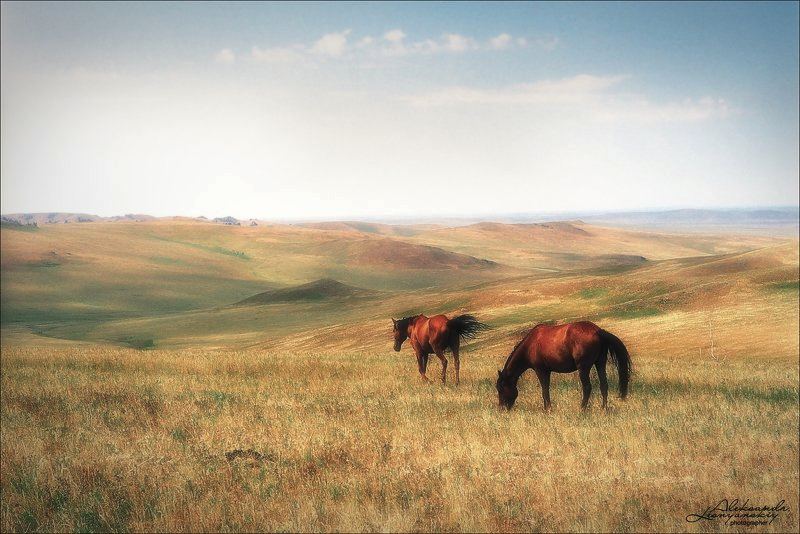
(403, 323)
(514, 350)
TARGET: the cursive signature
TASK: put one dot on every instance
(743, 514)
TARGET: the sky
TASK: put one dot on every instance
(338, 110)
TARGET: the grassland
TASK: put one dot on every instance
(290, 412)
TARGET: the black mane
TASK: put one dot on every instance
(403, 323)
(520, 343)
(505, 365)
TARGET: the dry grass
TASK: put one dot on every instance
(107, 439)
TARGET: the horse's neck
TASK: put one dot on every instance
(516, 364)
(410, 327)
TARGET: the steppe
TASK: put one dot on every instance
(180, 375)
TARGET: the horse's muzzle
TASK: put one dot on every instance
(397, 348)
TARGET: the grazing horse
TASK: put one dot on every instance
(564, 349)
(435, 334)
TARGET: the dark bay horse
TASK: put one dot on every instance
(435, 335)
(564, 349)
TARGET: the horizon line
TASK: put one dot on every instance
(422, 218)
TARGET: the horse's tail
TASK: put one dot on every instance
(620, 358)
(466, 326)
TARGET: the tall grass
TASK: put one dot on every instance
(107, 439)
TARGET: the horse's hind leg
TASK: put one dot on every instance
(586, 382)
(456, 361)
(422, 364)
(601, 374)
(440, 354)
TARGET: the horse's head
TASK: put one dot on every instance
(400, 332)
(506, 390)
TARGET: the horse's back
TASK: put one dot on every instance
(564, 332)
(562, 347)
(438, 322)
(584, 329)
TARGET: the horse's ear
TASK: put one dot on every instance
(394, 321)
(500, 373)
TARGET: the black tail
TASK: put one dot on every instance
(467, 326)
(620, 358)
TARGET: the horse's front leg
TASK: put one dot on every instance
(544, 381)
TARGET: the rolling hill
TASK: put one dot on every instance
(184, 282)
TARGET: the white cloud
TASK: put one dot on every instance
(366, 42)
(500, 42)
(505, 41)
(225, 56)
(331, 44)
(395, 36)
(638, 109)
(282, 54)
(579, 88)
(452, 42)
(393, 43)
(547, 42)
(596, 97)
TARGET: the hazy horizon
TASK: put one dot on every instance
(758, 215)
(364, 111)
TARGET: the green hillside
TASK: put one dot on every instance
(177, 282)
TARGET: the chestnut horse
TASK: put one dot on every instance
(436, 335)
(564, 349)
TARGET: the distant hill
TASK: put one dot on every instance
(319, 290)
(705, 219)
(66, 218)
(559, 229)
(787, 219)
(408, 230)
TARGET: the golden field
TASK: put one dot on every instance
(291, 412)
